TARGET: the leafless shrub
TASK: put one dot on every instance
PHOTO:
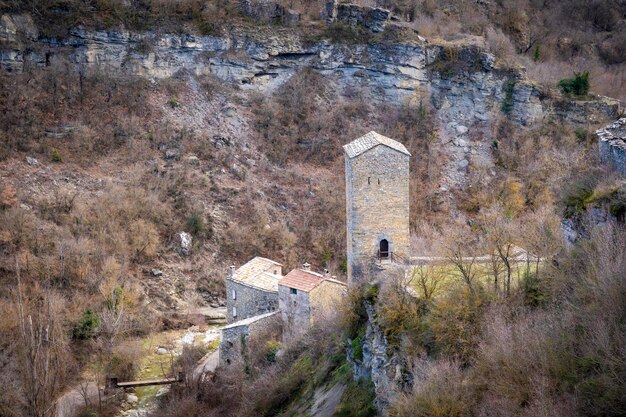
(428, 280)
(439, 389)
(500, 44)
(461, 251)
(43, 357)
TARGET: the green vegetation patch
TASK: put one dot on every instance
(577, 86)
(507, 104)
(357, 400)
(87, 327)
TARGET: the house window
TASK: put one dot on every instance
(293, 291)
(234, 311)
(234, 295)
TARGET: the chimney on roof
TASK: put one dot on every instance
(231, 271)
(306, 266)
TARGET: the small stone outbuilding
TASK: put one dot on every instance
(305, 297)
(236, 336)
(252, 289)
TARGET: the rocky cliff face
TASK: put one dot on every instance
(466, 85)
(385, 372)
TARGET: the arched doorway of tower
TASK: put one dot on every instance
(383, 249)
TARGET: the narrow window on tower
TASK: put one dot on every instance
(368, 180)
(379, 181)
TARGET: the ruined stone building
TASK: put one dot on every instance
(612, 143)
(305, 297)
(236, 337)
(377, 203)
(252, 289)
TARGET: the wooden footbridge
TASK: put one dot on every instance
(113, 382)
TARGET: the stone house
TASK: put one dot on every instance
(305, 297)
(377, 203)
(252, 289)
(236, 336)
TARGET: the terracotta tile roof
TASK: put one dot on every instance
(371, 140)
(259, 272)
(302, 280)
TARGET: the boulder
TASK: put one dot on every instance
(171, 154)
(132, 399)
(184, 243)
(32, 161)
(461, 129)
(162, 391)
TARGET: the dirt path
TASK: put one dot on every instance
(70, 403)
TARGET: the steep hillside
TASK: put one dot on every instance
(126, 123)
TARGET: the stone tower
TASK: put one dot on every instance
(377, 203)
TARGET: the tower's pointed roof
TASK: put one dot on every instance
(371, 140)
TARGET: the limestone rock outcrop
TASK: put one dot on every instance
(355, 16)
(268, 11)
(612, 143)
(376, 365)
(465, 85)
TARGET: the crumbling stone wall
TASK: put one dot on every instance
(612, 144)
(377, 207)
(235, 336)
(248, 301)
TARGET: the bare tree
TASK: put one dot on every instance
(427, 279)
(42, 350)
(112, 319)
(460, 247)
(500, 233)
(542, 235)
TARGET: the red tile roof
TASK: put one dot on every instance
(302, 280)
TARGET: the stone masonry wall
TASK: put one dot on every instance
(249, 301)
(295, 310)
(235, 337)
(325, 298)
(376, 210)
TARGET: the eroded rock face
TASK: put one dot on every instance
(376, 365)
(464, 84)
(355, 16)
(612, 143)
(268, 11)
